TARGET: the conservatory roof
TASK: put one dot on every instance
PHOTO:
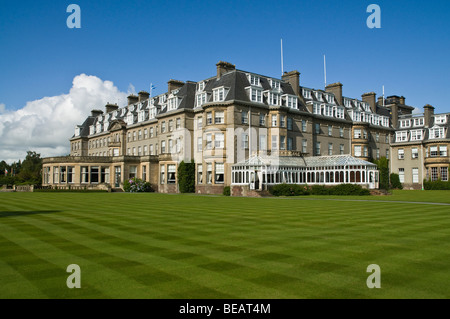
(297, 161)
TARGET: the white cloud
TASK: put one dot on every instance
(45, 125)
(131, 89)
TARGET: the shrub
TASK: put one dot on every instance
(349, 189)
(436, 185)
(395, 181)
(227, 191)
(186, 177)
(320, 190)
(289, 190)
(136, 185)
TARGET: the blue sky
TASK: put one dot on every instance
(133, 43)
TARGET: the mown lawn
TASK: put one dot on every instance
(188, 246)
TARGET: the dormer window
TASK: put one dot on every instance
(105, 126)
(130, 119)
(291, 101)
(275, 84)
(114, 115)
(274, 99)
(201, 99)
(201, 86)
(319, 96)
(405, 123)
(306, 94)
(98, 128)
(330, 99)
(152, 113)
(347, 103)
(91, 130)
(173, 103)
(440, 119)
(255, 95)
(419, 121)
(77, 131)
(401, 136)
(254, 80)
(141, 116)
(219, 94)
(162, 99)
(437, 132)
(416, 135)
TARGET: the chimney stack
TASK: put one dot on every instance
(96, 113)
(371, 100)
(111, 107)
(336, 89)
(143, 96)
(132, 99)
(428, 112)
(380, 101)
(174, 84)
(293, 78)
(224, 67)
(402, 100)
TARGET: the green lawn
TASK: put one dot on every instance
(188, 246)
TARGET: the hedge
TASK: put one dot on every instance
(298, 190)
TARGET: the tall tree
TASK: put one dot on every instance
(30, 171)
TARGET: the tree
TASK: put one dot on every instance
(30, 171)
(383, 167)
(395, 181)
(186, 177)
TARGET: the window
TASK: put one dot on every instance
(63, 173)
(151, 150)
(433, 151)
(366, 151)
(282, 142)
(416, 135)
(401, 136)
(415, 175)
(290, 143)
(443, 150)
(365, 134)
(357, 133)
(170, 146)
(199, 174)
(357, 150)
(444, 173)
(178, 125)
(282, 121)
(170, 125)
(401, 153)
(386, 140)
(377, 154)
(84, 174)
(275, 84)
(434, 174)
(274, 99)
(274, 142)
(414, 152)
(71, 174)
(163, 127)
(199, 123)
(208, 118)
(317, 128)
(163, 147)
(387, 153)
(144, 172)
(244, 141)
(303, 125)
(341, 132)
(151, 132)
(330, 130)
(162, 174)
(289, 124)
(330, 148)
(262, 120)
(145, 150)
(440, 119)
(437, 132)
(201, 99)
(219, 117)
(341, 149)
(139, 151)
(262, 143)
(173, 103)
(145, 134)
(219, 140)
(405, 123)
(220, 173)
(253, 79)
(178, 145)
(208, 173)
(255, 95)
(201, 86)
(274, 120)
(219, 94)
(292, 101)
(133, 172)
(401, 175)
(377, 137)
(134, 151)
(317, 148)
(199, 144)
(171, 174)
(208, 141)
(419, 121)
(304, 146)
(244, 117)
